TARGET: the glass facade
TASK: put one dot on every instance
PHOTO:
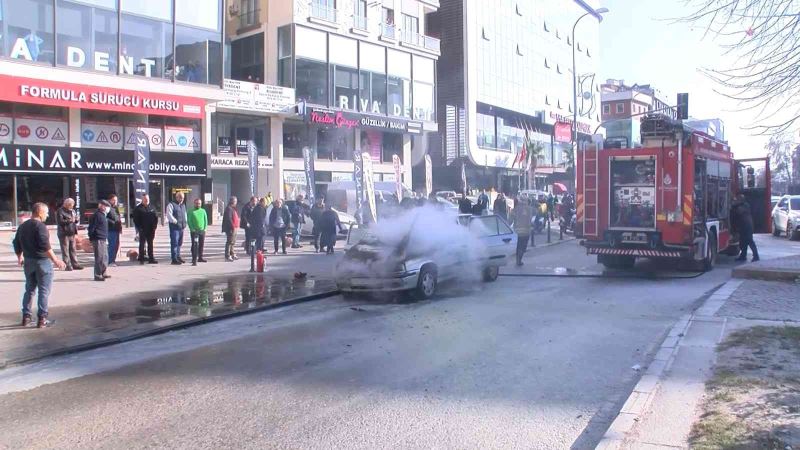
(338, 72)
(131, 37)
(247, 59)
(233, 132)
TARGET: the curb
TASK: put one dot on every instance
(766, 274)
(165, 329)
(639, 401)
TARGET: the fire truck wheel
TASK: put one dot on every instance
(711, 257)
(617, 261)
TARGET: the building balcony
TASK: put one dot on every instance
(324, 13)
(388, 31)
(421, 41)
(250, 19)
(360, 23)
(430, 3)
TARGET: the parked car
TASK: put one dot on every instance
(308, 227)
(786, 217)
(447, 195)
(372, 265)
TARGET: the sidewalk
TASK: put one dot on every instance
(667, 402)
(141, 299)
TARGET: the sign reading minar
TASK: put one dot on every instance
(141, 171)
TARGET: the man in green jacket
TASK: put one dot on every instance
(198, 222)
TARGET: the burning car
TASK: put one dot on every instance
(423, 249)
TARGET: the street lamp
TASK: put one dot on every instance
(598, 14)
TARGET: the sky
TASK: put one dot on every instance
(640, 43)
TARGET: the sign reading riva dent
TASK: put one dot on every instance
(257, 97)
(90, 161)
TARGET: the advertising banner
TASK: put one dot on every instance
(369, 187)
(563, 132)
(6, 125)
(372, 141)
(398, 177)
(102, 135)
(252, 166)
(224, 145)
(257, 97)
(154, 136)
(91, 161)
(358, 178)
(464, 178)
(70, 95)
(36, 131)
(294, 177)
(141, 172)
(428, 175)
(308, 165)
(181, 139)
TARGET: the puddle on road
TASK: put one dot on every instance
(212, 297)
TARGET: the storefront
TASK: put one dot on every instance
(31, 174)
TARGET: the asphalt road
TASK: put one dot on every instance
(539, 363)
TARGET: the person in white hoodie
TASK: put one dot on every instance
(176, 216)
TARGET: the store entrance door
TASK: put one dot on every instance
(156, 198)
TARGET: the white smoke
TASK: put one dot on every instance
(426, 232)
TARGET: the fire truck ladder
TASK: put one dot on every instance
(588, 203)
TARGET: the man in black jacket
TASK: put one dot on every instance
(67, 224)
(246, 222)
(34, 254)
(257, 221)
(230, 225)
(114, 229)
(279, 219)
(146, 220)
(98, 234)
(316, 215)
(743, 224)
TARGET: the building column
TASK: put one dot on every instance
(74, 127)
(276, 148)
(205, 133)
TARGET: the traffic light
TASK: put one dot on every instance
(683, 106)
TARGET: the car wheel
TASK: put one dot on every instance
(426, 283)
(789, 231)
(491, 273)
(775, 231)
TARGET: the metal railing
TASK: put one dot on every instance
(420, 40)
(323, 12)
(249, 18)
(360, 22)
(389, 31)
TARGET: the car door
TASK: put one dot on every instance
(781, 217)
(497, 236)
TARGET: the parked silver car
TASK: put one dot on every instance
(371, 265)
(786, 217)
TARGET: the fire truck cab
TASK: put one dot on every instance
(668, 200)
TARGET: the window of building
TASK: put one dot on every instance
(360, 14)
(198, 41)
(146, 35)
(423, 95)
(486, 131)
(311, 71)
(6, 201)
(372, 81)
(387, 15)
(237, 131)
(29, 34)
(293, 139)
(620, 108)
(335, 144)
(344, 72)
(247, 58)
(399, 83)
(410, 24)
(606, 109)
(392, 145)
(285, 77)
(87, 35)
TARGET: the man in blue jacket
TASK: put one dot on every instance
(98, 234)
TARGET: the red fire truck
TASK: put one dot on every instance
(668, 200)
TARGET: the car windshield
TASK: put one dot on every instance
(795, 202)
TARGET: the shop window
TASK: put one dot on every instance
(247, 58)
(312, 81)
(345, 87)
(372, 143)
(486, 131)
(146, 40)
(335, 144)
(29, 34)
(198, 55)
(399, 83)
(293, 137)
(48, 189)
(392, 145)
(6, 201)
(87, 36)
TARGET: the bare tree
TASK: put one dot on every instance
(782, 150)
(764, 38)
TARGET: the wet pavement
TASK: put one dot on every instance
(145, 313)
